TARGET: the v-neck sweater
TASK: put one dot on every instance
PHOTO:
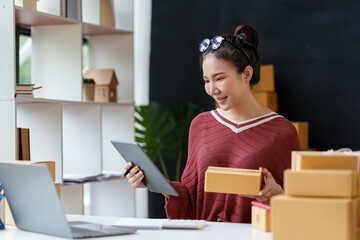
(216, 140)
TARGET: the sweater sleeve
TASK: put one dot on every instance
(179, 207)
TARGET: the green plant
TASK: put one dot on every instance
(163, 132)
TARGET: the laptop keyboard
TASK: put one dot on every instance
(82, 232)
(98, 230)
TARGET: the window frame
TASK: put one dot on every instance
(19, 30)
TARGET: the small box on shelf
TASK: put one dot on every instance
(106, 14)
(88, 90)
(31, 4)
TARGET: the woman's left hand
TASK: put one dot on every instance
(271, 188)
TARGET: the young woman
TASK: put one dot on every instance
(242, 133)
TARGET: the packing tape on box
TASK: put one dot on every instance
(346, 151)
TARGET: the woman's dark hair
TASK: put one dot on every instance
(245, 38)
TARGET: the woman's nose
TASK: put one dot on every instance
(213, 89)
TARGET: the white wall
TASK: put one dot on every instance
(142, 36)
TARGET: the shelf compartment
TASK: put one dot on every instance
(56, 61)
(116, 52)
(115, 122)
(32, 18)
(102, 204)
(81, 139)
(45, 124)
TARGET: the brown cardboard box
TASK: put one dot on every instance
(31, 4)
(105, 84)
(302, 129)
(260, 215)
(324, 160)
(267, 79)
(299, 218)
(321, 183)
(106, 13)
(232, 180)
(269, 99)
(58, 188)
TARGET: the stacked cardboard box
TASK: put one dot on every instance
(321, 198)
(264, 91)
(302, 129)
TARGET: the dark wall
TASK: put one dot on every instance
(314, 45)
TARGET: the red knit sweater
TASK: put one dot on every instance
(215, 140)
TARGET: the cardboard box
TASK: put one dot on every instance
(269, 99)
(260, 215)
(106, 13)
(324, 160)
(31, 4)
(267, 79)
(232, 180)
(58, 188)
(302, 129)
(105, 84)
(321, 183)
(298, 218)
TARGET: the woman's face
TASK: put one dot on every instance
(224, 83)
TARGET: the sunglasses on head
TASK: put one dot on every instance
(216, 43)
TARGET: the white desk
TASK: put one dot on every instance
(214, 231)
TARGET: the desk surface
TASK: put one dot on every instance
(214, 231)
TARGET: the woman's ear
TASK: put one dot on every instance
(248, 73)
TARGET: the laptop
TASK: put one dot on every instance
(36, 207)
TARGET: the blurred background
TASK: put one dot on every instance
(313, 45)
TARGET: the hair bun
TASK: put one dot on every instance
(249, 33)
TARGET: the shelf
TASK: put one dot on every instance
(92, 30)
(29, 17)
(28, 100)
(75, 135)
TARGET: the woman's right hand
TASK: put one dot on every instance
(135, 176)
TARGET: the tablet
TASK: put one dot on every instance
(154, 179)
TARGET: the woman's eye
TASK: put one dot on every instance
(219, 78)
(206, 81)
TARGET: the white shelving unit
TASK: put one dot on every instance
(74, 134)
